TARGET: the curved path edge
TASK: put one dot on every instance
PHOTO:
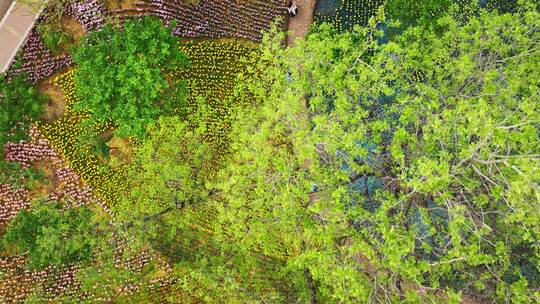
(298, 26)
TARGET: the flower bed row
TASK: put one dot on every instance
(63, 134)
(18, 283)
(215, 66)
(347, 13)
(37, 60)
(213, 18)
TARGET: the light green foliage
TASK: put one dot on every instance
(169, 173)
(389, 169)
(172, 209)
(51, 235)
(121, 75)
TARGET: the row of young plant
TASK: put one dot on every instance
(344, 15)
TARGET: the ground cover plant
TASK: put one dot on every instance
(37, 57)
(214, 18)
(211, 80)
(344, 14)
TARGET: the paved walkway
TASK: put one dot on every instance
(14, 29)
(4, 6)
(299, 25)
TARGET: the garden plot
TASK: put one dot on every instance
(211, 79)
(344, 14)
(213, 18)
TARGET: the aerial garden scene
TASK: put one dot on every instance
(270, 151)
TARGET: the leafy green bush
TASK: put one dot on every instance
(18, 177)
(51, 235)
(53, 38)
(122, 74)
(21, 104)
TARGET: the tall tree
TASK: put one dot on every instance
(122, 74)
(169, 173)
(403, 171)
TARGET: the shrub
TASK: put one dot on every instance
(121, 74)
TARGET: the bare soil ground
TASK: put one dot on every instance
(57, 101)
(120, 4)
(73, 27)
(299, 25)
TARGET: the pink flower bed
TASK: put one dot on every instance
(213, 18)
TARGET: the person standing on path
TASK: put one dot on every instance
(293, 8)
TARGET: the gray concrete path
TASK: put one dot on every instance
(14, 28)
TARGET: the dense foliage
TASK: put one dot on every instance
(51, 235)
(391, 162)
(405, 171)
(122, 74)
(21, 105)
(169, 174)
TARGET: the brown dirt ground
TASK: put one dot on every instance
(57, 102)
(120, 4)
(73, 27)
(299, 25)
(42, 189)
(121, 150)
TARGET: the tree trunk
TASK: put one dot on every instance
(311, 287)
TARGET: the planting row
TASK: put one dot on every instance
(344, 14)
(214, 18)
(37, 61)
(211, 80)
(209, 18)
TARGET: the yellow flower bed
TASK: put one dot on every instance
(63, 133)
(215, 65)
(211, 79)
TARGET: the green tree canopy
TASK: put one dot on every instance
(21, 104)
(122, 74)
(168, 175)
(51, 234)
(404, 171)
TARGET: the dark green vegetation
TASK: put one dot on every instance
(348, 169)
(21, 105)
(121, 75)
(52, 234)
